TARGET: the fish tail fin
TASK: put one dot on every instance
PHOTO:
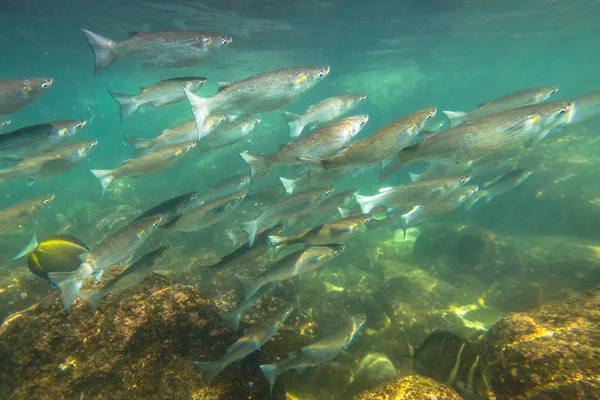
(258, 163)
(199, 106)
(29, 248)
(211, 369)
(314, 164)
(414, 177)
(141, 146)
(68, 286)
(471, 201)
(366, 203)
(233, 319)
(105, 177)
(271, 373)
(237, 238)
(126, 102)
(249, 284)
(344, 212)
(455, 117)
(295, 122)
(288, 184)
(250, 227)
(92, 297)
(278, 242)
(103, 49)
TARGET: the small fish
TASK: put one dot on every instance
(325, 111)
(227, 185)
(244, 254)
(502, 184)
(421, 192)
(184, 132)
(4, 123)
(165, 92)
(330, 232)
(259, 93)
(209, 213)
(48, 164)
(252, 340)
(169, 49)
(321, 142)
(23, 142)
(228, 133)
(137, 272)
(12, 217)
(171, 209)
(292, 265)
(58, 253)
(587, 106)
(233, 316)
(517, 99)
(286, 208)
(496, 133)
(18, 93)
(116, 249)
(382, 144)
(310, 179)
(318, 352)
(423, 213)
(147, 164)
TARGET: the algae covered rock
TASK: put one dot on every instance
(138, 345)
(413, 387)
(549, 352)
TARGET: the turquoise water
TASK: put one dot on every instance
(406, 56)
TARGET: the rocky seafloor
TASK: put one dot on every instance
(514, 299)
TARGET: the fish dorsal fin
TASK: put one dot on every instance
(135, 33)
(483, 104)
(223, 85)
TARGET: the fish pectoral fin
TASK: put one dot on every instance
(524, 124)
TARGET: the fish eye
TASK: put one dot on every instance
(46, 201)
(241, 197)
(224, 41)
(45, 85)
(362, 123)
(327, 193)
(463, 180)
(320, 74)
(562, 111)
(428, 118)
(366, 220)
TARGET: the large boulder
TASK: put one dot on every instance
(137, 345)
(549, 352)
(412, 387)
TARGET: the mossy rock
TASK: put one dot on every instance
(549, 352)
(137, 345)
(413, 387)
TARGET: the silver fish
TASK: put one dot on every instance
(286, 208)
(318, 352)
(424, 213)
(17, 144)
(162, 49)
(382, 144)
(330, 232)
(517, 99)
(51, 163)
(150, 163)
(229, 133)
(171, 209)
(252, 340)
(165, 92)
(227, 185)
(184, 132)
(321, 142)
(421, 192)
(292, 265)
(262, 92)
(18, 93)
(502, 184)
(137, 272)
(325, 111)
(116, 249)
(208, 214)
(492, 134)
(16, 215)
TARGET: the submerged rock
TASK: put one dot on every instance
(138, 345)
(413, 387)
(549, 352)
